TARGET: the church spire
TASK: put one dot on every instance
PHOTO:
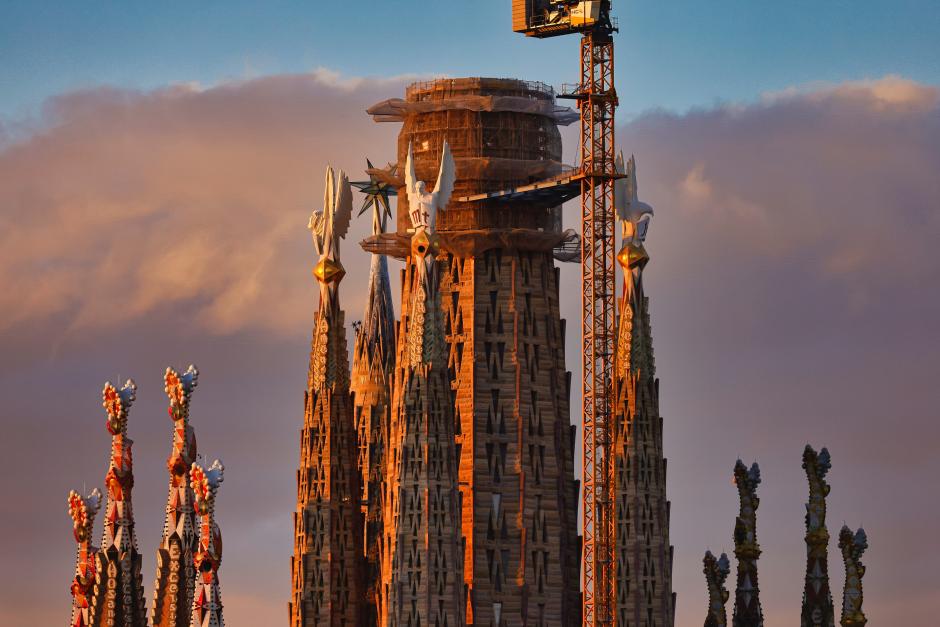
(716, 572)
(326, 567)
(121, 596)
(175, 578)
(643, 555)
(372, 369)
(82, 510)
(747, 608)
(817, 598)
(427, 584)
(207, 599)
(853, 546)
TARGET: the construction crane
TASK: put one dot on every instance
(597, 102)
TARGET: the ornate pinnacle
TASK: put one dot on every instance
(117, 403)
(817, 599)
(179, 389)
(82, 510)
(175, 577)
(207, 602)
(853, 545)
(716, 572)
(119, 561)
(747, 608)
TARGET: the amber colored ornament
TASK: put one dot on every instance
(633, 256)
(422, 244)
(328, 271)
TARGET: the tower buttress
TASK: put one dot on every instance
(176, 576)
(119, 595)
(326, 569)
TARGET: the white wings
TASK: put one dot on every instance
(330, 224)
(422, 205)
(626, 199)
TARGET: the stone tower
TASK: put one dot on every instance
(643, 555)
(326, 573)
(498, 287)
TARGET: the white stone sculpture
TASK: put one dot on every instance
(633, 213)
(423, 206)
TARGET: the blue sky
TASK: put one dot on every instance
(675, 54)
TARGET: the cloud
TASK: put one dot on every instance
(127, 204)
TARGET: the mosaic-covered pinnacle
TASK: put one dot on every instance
(853, 545)
(179, 388)
(117, 403)
(716, 573)
(82, 511)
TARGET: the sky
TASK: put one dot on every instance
(158, 164)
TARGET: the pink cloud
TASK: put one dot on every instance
(128, 204)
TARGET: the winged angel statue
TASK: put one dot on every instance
(423, 206)
(328, 226)
(633, 213)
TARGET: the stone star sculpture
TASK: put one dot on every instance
(377, 192)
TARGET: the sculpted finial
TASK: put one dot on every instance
(329, 225)
(747, 607)
(817, 599)
(179, 389)
(716, 572)
(117, 403)
(82, 510)
(423, 206)
(853, 545)
(634, 215)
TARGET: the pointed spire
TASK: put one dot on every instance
(853, 546)
(643, 555)
(716, 572)
(427, 584)
(817, 598)
(118, 560)
(326, 568)
(175, 578)
(207, 603)
(82, 511)
(747, 607)
(373, 365)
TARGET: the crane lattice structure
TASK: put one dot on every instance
(597, 103)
